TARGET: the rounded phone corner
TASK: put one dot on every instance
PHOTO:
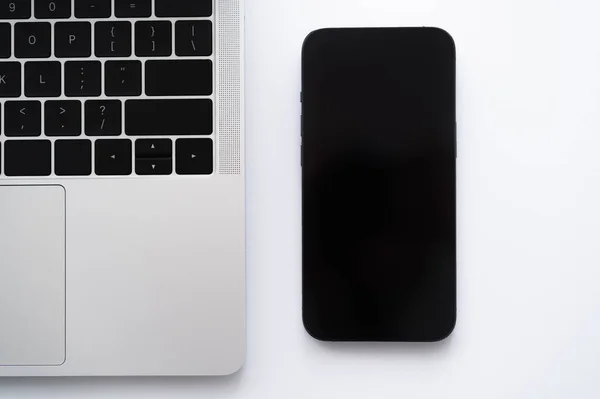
(443, 36)
(313, 36)
(446, 333)
(312, 332)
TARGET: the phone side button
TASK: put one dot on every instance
(301, 155)
(455, 140)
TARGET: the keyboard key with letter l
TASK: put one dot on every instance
(169, 117)
(82, 78)
(73, 157)
(15, 9)
(193, 38)
(183, 8)
(72, 39)
(27, 158)
(103, 118)
(194, 156)
(10, 79)
(32, 40)
(43, 79)
(22, 118)
(52, 9)
(93, 8)
(62, 118)
(179, 77)
(113, 157)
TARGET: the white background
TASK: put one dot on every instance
(529, 216)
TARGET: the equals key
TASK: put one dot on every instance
(133, 8)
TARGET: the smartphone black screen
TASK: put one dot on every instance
(379, 184)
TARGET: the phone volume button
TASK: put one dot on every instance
(455, 140)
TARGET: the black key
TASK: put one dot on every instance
(153, 148)
(194, 156)
(103, 118)
(10, 79)
(82, 78)
(27, 158)
(193, 38)
(52, 9)
(22, 118)
(73, 39)
(5, 40)
(43, 79)
(152, 38)
(159, 166)
(169, 117)
(133, 8)
(183, 8)
(154, 157)
(73, 157)
(113, 157)
(113, 39)
(62, 118)
(179, 77)
(15, 9)
(92, 8)
(32, 40)
(123, 78)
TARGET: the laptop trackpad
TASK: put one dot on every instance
(32, 275)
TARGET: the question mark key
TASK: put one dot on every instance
(103, 117)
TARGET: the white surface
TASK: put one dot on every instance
(32, 275)
(529, 216)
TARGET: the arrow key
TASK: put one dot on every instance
(156, 166)
(153, 148)
(62, 118)
(113, 157)
(194, 156)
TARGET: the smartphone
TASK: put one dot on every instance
(379, 184)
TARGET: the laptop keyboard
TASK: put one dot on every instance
(106, 87)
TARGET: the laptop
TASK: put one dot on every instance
(122, 195)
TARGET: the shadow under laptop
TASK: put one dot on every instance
(160, 386)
